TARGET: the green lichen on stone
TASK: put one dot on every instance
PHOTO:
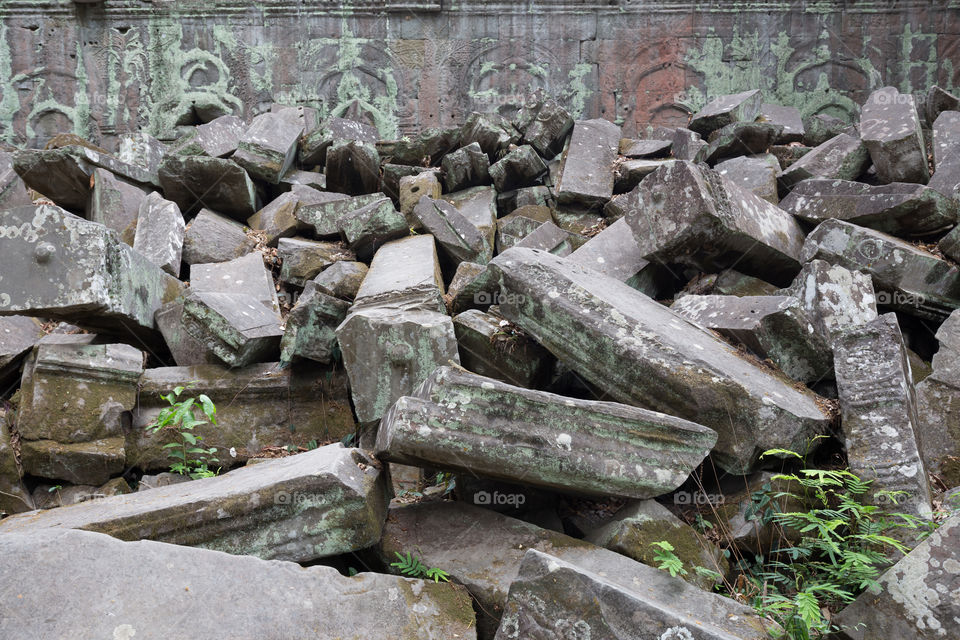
(577, 90)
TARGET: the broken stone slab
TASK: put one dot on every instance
(584, 446)
(514, 227)
(602, 597)
(629, 173)
(457, 238)
(14, 496)
(834, 298)
(472, 287)
(549, 237)
(141, 149)
(756, 174)
(342, 279)
(352, 167)
(734, 283)
(821, 127)
(466, 167)
(236, 327)
(13, 191)
(211, 237)
(268, 147)
(278, 219)
(634, 528)
(636, 149)
(300, 508)
(298, 181)
(390, 180)
(613, 252)
(905, 278)
(18, 335)
(949, 245)
(425, 149)
(248, 274)
(304, 259)
(313, 147)
(368, 228)
(586, 168)
(310, 330)
(919, 596)
(404, 272)
(184, 579)
(898, 208)
(946, 180)
(63, 267)
(774, 327)
(522, 167)
(257, 406)
(491, 131)
(786, 155)
(946, 136)
(890, 129)
(510, 201)
(687, 144)
(936, 102)
(217, 139)
(879, 414)
(843, 157)
(739, 138)
(57, 174)
(413, 188)
(115, 203)
(479, 206)
(92, 462)
(487, 350)
(724, 110)
(686, 213)
(627, 344)
(787, 117)
(937, 400)
(159, 233)
(197, 182)
(544, 124)
(324, 217)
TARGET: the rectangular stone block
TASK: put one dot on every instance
(843, 157)
(268, 147)
(455, 235)
(488, 350)
(159, 233)
(890, 129)
(613, 252)
(586, 168)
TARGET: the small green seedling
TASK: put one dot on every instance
(189, 457)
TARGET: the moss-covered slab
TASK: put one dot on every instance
(93, 462)
(486, 349)
(890, 129)
(300, 508)
(310, 330)
(268, 147)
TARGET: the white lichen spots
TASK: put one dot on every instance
(676, 633)
(124, 632)
(423, 431)
(564, 441)
(392, 594)
(489, 386)
(553, 294)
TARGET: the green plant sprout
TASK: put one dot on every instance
(410, 565)
(189, 457)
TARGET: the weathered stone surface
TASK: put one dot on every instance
(938, 401)
(584, 446)
(427, 148)
(613, 252)
(320, 503)
(313, 147)
(733, 283)
(14, 496)
(949, 245)
(739, 138)
(487, 350)
(247, 274)
(342, 279)
(413, 188)
(18, 334)
(890, 129)
(946, 136)
(491, 131)
(217, 139)
(634, 149)
(466, 167)
(787, 154)
(626, 344)
(472, 287)
(787, 117)
(540, 196)
(56, 173)
(278, 219)
(629, 173)
(456, 236)
(898, 208)
(544, 124)
(549, 237)
(936, 102)
(237, 327)
(946, 180)
(724, 110)
(268, 147)
(160, 232)
(586, 168)
(688, 214)
(257, 406)
(197, 182)
(821, 127)
(522, 167)
(843, 157)
(13, 191)
(879, 414)
(92, 462)
(404, 271)
(479, 206)
(919, 596)
(352, 167)
(757, 174)
(324, 217)
(108, 601)
(63, 267)
(310, 330)
(304, 259)
(687, 144)
(141, 149)
(774, 327)
(515, 226)
(368, 228)
(905, 277)
(297, 180)
(211, 237)
(115, 203)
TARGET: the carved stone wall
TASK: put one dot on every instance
(113, 66)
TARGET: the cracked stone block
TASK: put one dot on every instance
(757, 174)
(141, 149)
(211, 237)
(938, 402)
(584, 446)
(334, 498)
(774, 327)
(368, 228)
(92, 462)
(522, 167)
(636, 149)
(268, 147)
(898, 208)
(352, 167)
(949, 245)
(390, 180)
(18, 335)
(306, 117)
(342, 279)
(644, 354)
(890, 129)
(247, 274)
(586, 168)
(946, 180)
(105, 567)
(311, 325)
(734, 283)
(549, 237)
(304, 259)
(159, 233)
(466, 167)
(412, 188)
(937, 101)
(878, 407)
(197, 182)
(278, 219)
(686, 213)
(425, 149)
(324, 216)
(629, 173)
(63, 267)
(786, 155)
(739, 138)
(613, 252)
(237, 327)
(310, 179)
(457, 238)
(491, 131)
(724, 110)
(314, 145)
(216, 139)
(544, 124)
(13, 191)
(257, 406)
(479, 206)
(946, 136)
(514, 227)
(510, 201)
(58, 174)
(115, 203)
(472, 287)
(905, 278)
(687, 144)
(14, 496)
(843, 157)
(787, 117)
(485, 349)
(404, 271)
(821, 127)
